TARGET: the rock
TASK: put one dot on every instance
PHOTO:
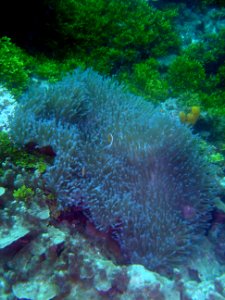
(2, 191)
(35, 289)
(8, 236)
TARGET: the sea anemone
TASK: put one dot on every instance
(132, 168)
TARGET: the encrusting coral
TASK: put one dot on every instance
(135, 171)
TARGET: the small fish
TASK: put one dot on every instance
(110, 140)
(83, 171)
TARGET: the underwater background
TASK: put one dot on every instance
(112, 150)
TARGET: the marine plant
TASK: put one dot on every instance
(80, 38)
(17, 66)
(197, 78)
(13, 66)
(186, 74)
(145, 80)
(118, 32)
(134, 170)
(20, 157)
(209, 52)
(23, 193)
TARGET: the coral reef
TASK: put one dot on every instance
(93, 180)
(134, 170)
(44, 261)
